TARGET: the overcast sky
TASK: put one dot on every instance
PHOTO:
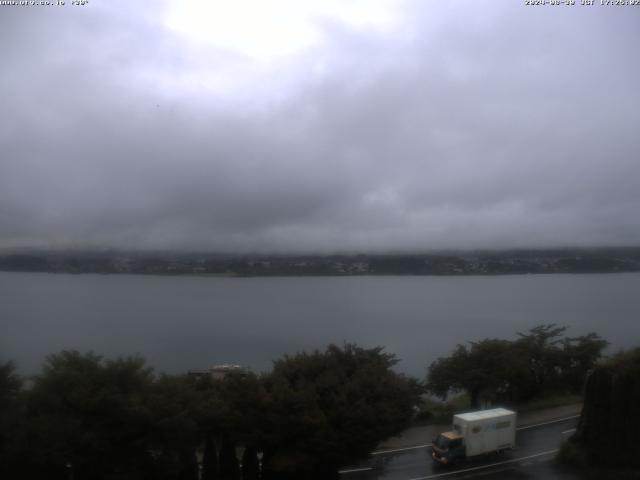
(329, 125)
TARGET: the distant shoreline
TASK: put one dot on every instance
(311, 275)
(522, 262)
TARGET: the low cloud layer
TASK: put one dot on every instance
(430, 125)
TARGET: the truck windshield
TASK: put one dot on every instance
(442, 442)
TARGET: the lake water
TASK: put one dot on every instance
(179, 323)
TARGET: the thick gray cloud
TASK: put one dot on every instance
(460, 125)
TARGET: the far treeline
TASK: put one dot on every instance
(600, 260)
(86, 417)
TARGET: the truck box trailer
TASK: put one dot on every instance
(476, 433)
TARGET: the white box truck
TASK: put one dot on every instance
(476, 433)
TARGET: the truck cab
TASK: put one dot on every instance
(448, 448)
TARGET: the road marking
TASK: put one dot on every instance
(354, 470)
(481, 467)
(381, 452)
(548, 423)
(568, 431)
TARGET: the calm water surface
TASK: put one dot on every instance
(179, 323)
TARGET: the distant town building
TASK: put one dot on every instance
(218, 372)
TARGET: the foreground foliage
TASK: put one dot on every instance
(330, 407)
(86, 417)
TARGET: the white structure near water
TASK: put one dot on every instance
(219, 372)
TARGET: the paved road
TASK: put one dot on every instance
(532, 459)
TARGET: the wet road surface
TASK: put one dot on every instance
(531, 459)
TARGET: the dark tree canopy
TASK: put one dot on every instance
(90, 415)
(327, 408)
(538, 362)
(93, 418)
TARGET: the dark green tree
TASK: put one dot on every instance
(241, 401)
(540, 361)
(90, 416)
(325, 409)
(487, 370)
(448, 374)
(10, 385)
(541, 346)
(581, 355)
(177, 408)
